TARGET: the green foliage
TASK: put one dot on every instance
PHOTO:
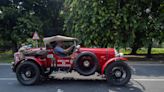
(112, 23)
(19, 19)
(17, 24)
(6, 57)
(34, 43)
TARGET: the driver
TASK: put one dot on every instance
(60, 51)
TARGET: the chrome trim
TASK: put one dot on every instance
(119, 55)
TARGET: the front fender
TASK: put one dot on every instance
(110, 61)
(34, 59)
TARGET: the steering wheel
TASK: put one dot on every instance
(72, 50)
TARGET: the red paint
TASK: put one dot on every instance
(37, 60)
(110, 61)
(104, 55)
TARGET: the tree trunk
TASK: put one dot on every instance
(14, 47)
(149, 51)
(134, 50)
(136, 44)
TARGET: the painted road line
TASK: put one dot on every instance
(148, 79)
(60, 90)
(8, 64)
(136, 79)
(7, 79)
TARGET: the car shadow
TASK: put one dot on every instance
(83, 85)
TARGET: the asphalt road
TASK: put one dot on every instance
(145, 78)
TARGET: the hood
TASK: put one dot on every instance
(107, 52)
(94, 50)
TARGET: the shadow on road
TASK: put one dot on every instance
(82, 85)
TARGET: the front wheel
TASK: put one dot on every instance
(28, 73)
(118, 73)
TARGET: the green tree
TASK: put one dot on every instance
(114, 23)
(19, 19)
(17, 25)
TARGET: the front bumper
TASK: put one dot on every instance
(13, 66)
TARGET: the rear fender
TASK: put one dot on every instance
(112, 60)
(35, 60)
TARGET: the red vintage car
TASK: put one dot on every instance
(31, 64)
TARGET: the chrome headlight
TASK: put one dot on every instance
(121, 54)
(117, 54)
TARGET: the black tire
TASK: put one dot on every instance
(28, 73)
(116, 71)
(92, 61)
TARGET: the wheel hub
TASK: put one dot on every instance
(28, 73)
(118, 73)
(86, 63)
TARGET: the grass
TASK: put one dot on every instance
(6, 57)
(157, 54)
(144, 51)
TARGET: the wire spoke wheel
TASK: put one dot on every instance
(118, 73)
(28, 73)
(86, 63)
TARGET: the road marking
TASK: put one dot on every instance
(5, 64)
(136, 79)
(60, 90)
(7, 79)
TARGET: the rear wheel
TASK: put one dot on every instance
(118, 73)
(28, 73)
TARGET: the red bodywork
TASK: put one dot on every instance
(104, 55)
